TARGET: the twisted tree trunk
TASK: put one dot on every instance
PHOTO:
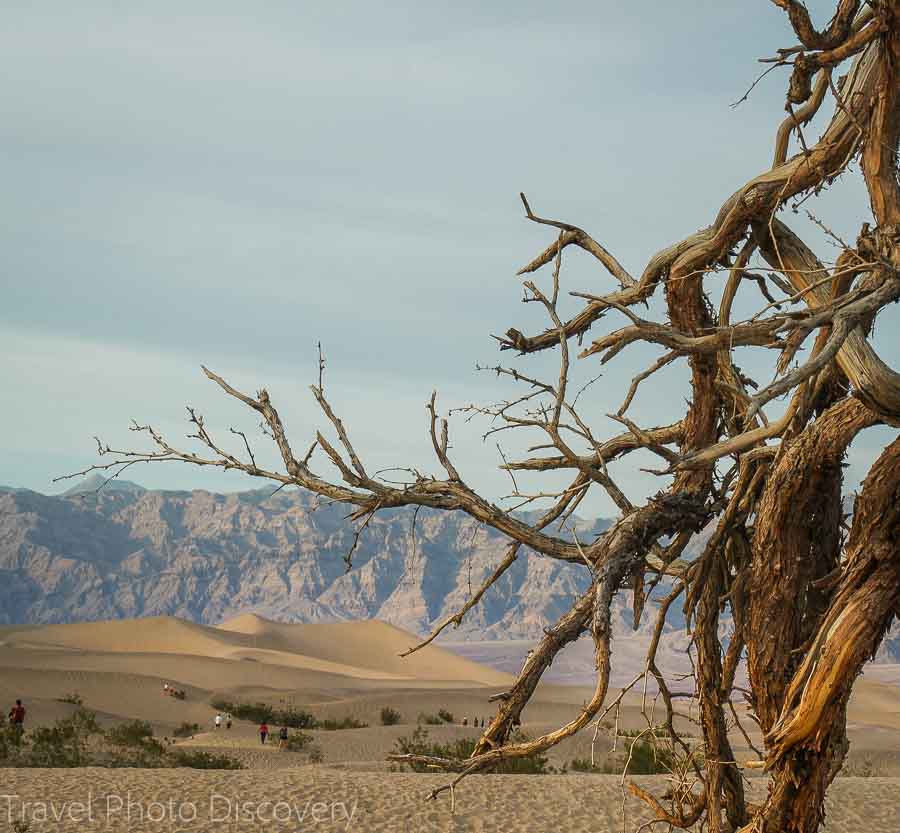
(807, 742)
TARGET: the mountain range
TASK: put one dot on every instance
(112, 550)
(109, 550)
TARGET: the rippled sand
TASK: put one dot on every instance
(329, 799)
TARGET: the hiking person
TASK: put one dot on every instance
(17, 717)
(228, 720)
(263, 732)
(465, 721)
(283, 738)
(218, 720)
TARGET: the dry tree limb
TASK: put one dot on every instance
(660, 363)
(512, 553)
(681, 820)
(758, 333)
(570, 234)
(609, 451)
(837, 32)
(591, 611)
(876, 383)
(581, 323)
(723, 783)
(806, 64)
(842, 325)
(624, 542)
(758, 198)
(653, 669)
(509, 559)
(796, 120)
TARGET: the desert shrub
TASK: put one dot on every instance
(390, 717)
(446, 716)
(198, 759)
(78, 741)
(648, 752)
(11, 743)
(299, 741)
(642, 762)
(136, 746)
(264, 713)
(256, 712)
(584, 765)
(132, 733)
(415, 744)
(186, 730)
(656, 731)
(296, 719)
(332, 724)
(532, 765)
(864, 767)
(65, 744)
(646, 756)
(151, 756)
(420, 743)
(72, 697)
(430, 719)
(293, 718)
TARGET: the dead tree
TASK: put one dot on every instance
(808, 607)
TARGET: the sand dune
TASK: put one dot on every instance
(356, 650)
(118, 668)
(370, 645)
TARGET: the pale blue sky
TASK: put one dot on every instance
(227, 183)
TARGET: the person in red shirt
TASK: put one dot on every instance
(263, 732)
(17, 716)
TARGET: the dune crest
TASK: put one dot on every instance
(368, 644)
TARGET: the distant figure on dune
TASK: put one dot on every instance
(228, 720)
(17, 716)
(283, 737)
(218, 720)
(263, 732)
(165, 688)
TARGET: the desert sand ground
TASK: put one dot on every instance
(119, 668)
